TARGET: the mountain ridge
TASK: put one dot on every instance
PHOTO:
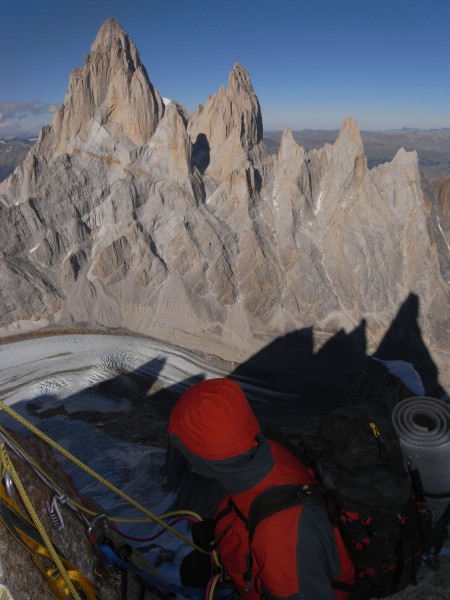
(432, 146)
(185, 228)
(379, 146)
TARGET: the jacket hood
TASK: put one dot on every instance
(213, 420)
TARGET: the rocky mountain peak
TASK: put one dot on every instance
(349, 142)
(241, 92)
(180, 226)
(349, 131)
(231, 122)
(109, 34)
(240, 84)
(346, 158)
(113, 42)
(289, 148)
(110, 108)
(321, 177)
(110, 95)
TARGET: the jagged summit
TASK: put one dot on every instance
(109, 33)
(349, 133)
(240, 87)
(113, 41)
(239, 74)
(111, 91)
(231, 121)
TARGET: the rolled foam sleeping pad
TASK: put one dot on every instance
(423, 427)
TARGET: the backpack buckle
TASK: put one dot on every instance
(304, 490)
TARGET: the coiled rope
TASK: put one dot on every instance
(98, 477)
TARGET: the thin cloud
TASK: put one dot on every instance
(19, 110)
(25, 119)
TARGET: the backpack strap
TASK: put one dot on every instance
(271, 501)
(280, 497)
(353, 592)
(437, 536)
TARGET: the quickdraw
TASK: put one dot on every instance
(66, 582)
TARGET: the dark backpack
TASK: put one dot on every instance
(377, 505)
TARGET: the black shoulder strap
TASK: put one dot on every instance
(280, 497)
(269, 502)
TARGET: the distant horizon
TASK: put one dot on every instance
(386, 65)
(333, 129)
(34, 136)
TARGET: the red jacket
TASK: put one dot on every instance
(296, 552)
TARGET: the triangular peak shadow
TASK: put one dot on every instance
(289, 364)
(403, 341)
(289, 382)
(330, 375)
(131, 416)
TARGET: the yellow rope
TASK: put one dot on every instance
(4, 593)
(9, 467)
(96, 476)
(167, 515)
(92, 513)
(212, 589)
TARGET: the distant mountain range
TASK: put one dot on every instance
(432, 146)
(12, 153)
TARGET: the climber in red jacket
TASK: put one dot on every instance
(296, 553)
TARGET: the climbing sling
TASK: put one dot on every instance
(25, 532)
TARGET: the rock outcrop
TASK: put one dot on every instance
(131, 214)
(228, 128)
(444, 206)
(109, 109)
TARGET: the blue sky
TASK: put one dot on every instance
(384, 63)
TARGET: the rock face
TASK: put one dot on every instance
(228, 128)
(110, 97)
(131, 214)
(444, 206)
